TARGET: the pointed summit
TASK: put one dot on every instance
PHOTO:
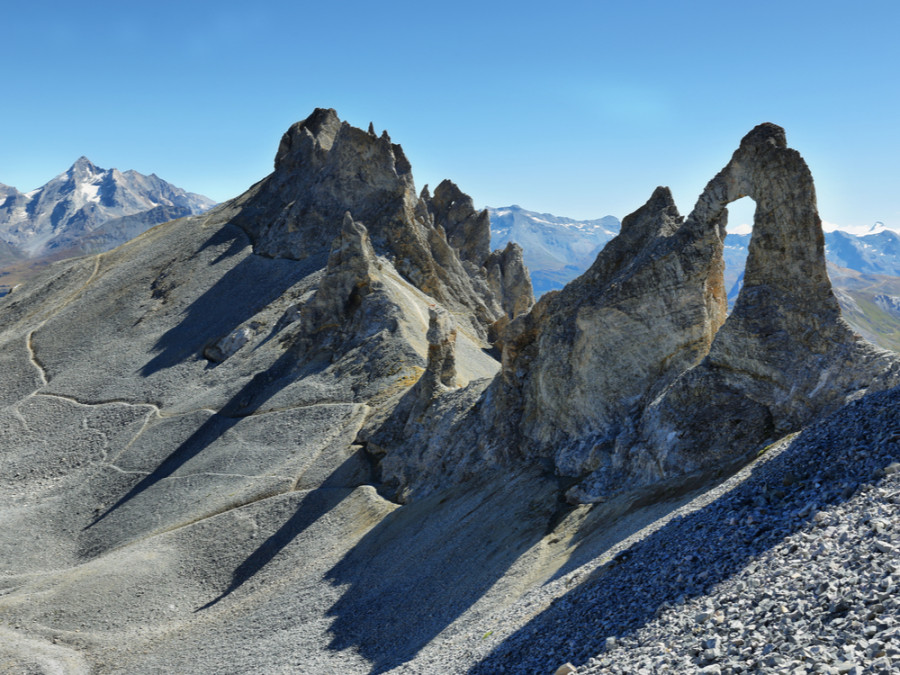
(65, 214)
(314, 135)
(325, 167)
(83, 164)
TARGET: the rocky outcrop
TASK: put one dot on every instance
(508, 278)
(349, 276)
(631, 375)
(164, 514)
(782, 358)
(441, 336)
(575, 371)
(324, 167)
(468, 230)
(785, 355)
(438, 378)
(431, 439)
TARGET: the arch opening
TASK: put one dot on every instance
(737, 241)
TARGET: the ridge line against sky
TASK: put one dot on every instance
(579, 110)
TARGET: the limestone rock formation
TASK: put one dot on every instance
(784, 356)
(273, 438)
(183, 418)
(644, 312)
(349, 276)
(441, 336)
(508, 278)
(325, 167)
(631, 375)
(467, 230)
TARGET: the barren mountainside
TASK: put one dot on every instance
(324, 428)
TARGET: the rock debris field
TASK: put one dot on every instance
(791, 566)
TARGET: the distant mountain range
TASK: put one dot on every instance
(864, 269)
(556, 249)
(73, 212)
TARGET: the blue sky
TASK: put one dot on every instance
(576, 108)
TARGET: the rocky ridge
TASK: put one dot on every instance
(271, 437)
(441, 244)
(654, 305)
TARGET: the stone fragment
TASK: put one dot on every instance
(228, 345)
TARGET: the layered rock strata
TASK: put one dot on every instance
(784, 356)
(781, 359)
(646, 310)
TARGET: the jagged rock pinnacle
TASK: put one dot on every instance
(467, 230)
(324, 166)
(783, 357)
(632, 374)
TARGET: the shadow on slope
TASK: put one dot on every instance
(608, 524)
(693, 552)
(244, 403)
(426, 563)
(240, 293)
(315, 504)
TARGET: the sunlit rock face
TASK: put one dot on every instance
(325, 167)
(645, 311)
(782, 358)
(632, 375)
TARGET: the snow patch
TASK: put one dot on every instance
(88, 192)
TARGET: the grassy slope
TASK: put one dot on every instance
(856, 292)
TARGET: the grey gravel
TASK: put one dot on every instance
(791, 566)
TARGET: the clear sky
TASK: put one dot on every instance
(574, 108)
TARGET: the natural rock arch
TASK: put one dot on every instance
(634, 373)
(784, 355)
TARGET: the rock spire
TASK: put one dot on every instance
(440, 244)
(632, 375)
